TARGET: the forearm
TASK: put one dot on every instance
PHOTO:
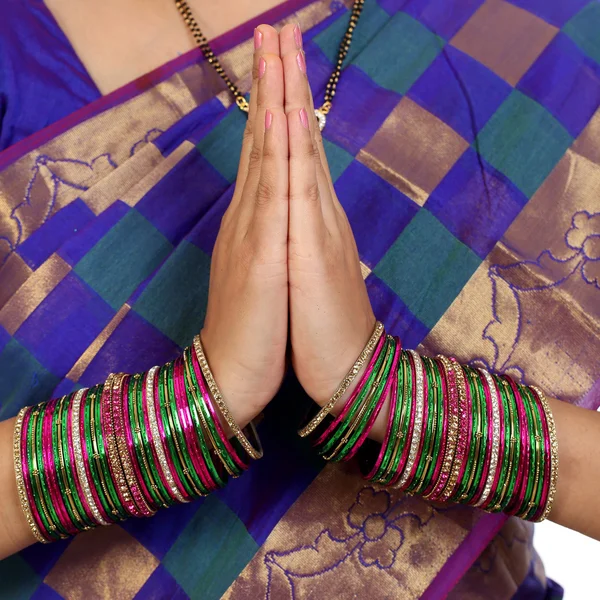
(500, 431)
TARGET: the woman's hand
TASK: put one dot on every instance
(330, 313)
(245, 331)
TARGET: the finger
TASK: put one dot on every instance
(269, 97)
(266, 41)
(306, 222)
(269, 224)
(298, 95)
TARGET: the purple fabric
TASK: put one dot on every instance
(37, 87)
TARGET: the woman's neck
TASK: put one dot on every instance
(119, 41)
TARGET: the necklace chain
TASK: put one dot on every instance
(330, 88)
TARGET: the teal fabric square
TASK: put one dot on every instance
(19, 580)
(129, 252)
(427, 267)
(221, 147)
(34, 383)
(372, 19)
(400, 54)
(211, 551)
(523, 141)
(584, 30)
(175, 300)
(337, 158)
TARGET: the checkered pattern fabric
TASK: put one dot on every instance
(448, 118)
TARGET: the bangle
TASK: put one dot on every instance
(18, 456)
(220, 402)
(346, 382)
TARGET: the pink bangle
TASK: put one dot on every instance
(355, 392)
(205, 397)
(51, 471)
(464, 437)
(187, 425)
(380, 402)
(524, 458)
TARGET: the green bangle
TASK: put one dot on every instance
(338, 433)
(396, 419)
(429, 432)
(38, 483)
(205, 426)
(141, 444)
(358, 423)
(114, 506)
(61, 449)
(480, 435)
(405, 417)
(438, 427)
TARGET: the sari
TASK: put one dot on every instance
(463, 144)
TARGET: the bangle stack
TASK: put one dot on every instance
(454, 433)
(127, 447)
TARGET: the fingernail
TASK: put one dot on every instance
(268, 119)
(301, 62)
(257, 39)
(304, 118)
(298, 36)
(262, 67)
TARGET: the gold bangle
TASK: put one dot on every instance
(220, 402)
(553, 452)
(452, 439)
(345, 384)
(365, 404)
(23, 500)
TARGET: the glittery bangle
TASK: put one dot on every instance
(344, 437)
(158, 494)
(432, 428)
(80, 459)
(346, 382)
(552, 452)
(167, 469)
(495, 439)
(415, 444)
(220, 402)
(20, 469)
(229, 456)
(464, 434)
(357, 394)
(453, 402)
(133, 477)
